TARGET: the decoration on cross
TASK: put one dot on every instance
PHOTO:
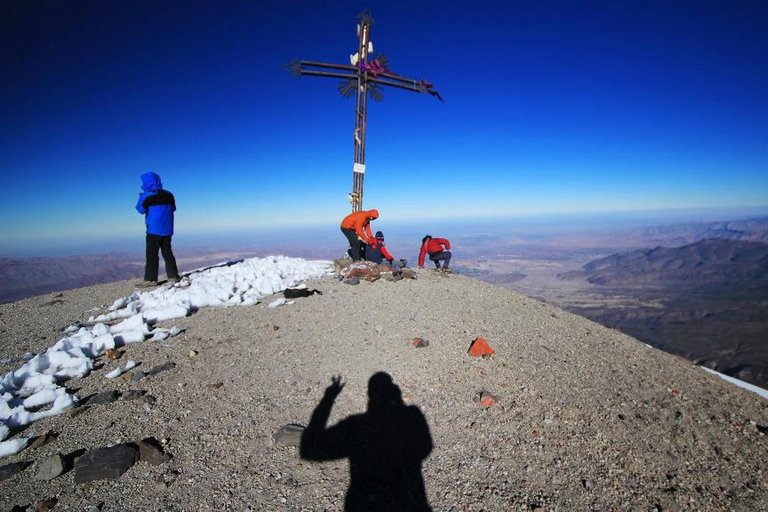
(362, 78)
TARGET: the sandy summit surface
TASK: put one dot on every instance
(584, 418)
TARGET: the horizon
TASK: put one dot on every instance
(525, 227)
(550, 109)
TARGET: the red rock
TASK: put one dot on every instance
(480, 348)
(420, 342)
(487, 399)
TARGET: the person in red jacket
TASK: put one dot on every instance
(377, 252)
(357, 228)
(438, 250)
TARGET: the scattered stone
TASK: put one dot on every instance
(161, 368)
(215, 385)
(50, 467)
(103, 398)
(43, 439)
(480, 348)
(137, 376)
(379, 330)
(46, 505)
(106, 463)
(78, 411)
(485, 399)
(9, 470)
(352, 280)
(420, 343)
(193, 353)
(134, 394)
(151, 451)
(275, 327)
(289, 435)
(112, 354)
(407, 273)
(762, 429)
(147, 402)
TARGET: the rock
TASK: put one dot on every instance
(106, 463)
(105, 397)
(420, 343)
(46, 505)
(480, 348)
(137, 376)
(134, 394)
(407, 273)
(9, 470)
(50, 467)
(161, 368)
(193, 353)
(215, 385)
(352, 280)
(113, 354)
(289, 435)
(151, 452)
(148, 399)
(485, 399)
(379, 330)
(43, 439)
(78, 411)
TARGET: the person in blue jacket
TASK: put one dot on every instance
(157, 205)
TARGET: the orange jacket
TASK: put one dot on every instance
(361, 223)
(431, 246)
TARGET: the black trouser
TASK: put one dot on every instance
(445, 256)
(354, 243)
(163, 243)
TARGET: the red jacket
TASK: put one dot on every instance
(361, 222)
(433, 245)
(377, 251)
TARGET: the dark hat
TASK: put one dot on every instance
(379, 235)
(426, 238)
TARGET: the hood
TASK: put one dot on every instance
(374, 214)
(150, 182)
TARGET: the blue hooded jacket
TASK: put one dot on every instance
(157, 205)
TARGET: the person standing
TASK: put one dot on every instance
(439, 249)
(357, 228)
(157, 205)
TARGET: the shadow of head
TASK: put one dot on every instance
(383, 392)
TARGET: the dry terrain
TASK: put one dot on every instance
(585, 417)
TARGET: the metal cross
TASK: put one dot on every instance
(363, 77)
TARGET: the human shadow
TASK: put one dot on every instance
(385, 447)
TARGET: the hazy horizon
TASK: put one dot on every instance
(397, 232)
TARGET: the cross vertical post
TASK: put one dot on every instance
(364, 77)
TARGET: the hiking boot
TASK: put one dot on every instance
(173, 280)
(146, 284)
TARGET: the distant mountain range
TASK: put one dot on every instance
(706, 301)
(714, 260)
(26, 277)
(21, 278)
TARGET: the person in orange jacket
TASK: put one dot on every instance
(438, 250)
(357, 228)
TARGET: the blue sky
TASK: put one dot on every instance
(550, 107)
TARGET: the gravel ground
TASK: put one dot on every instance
(585, 417)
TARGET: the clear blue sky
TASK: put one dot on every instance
(550, 106)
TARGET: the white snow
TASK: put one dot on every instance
(132, 319)
(746, 385)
